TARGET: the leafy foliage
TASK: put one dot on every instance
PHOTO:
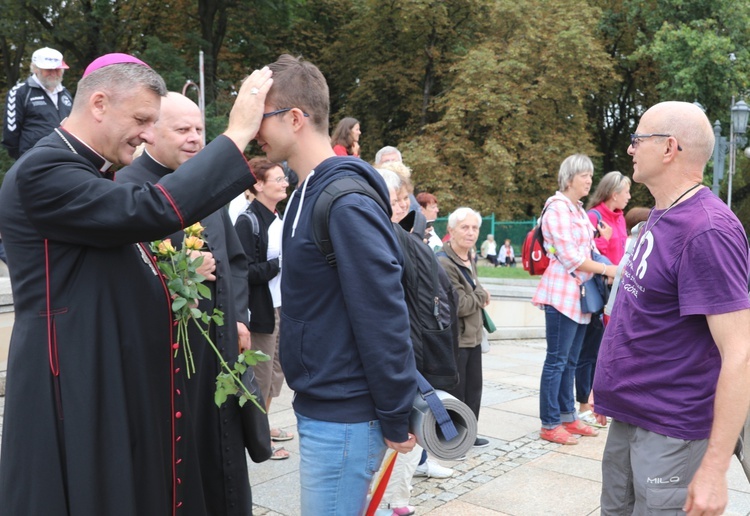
(484, 97)
(179, 268)
(512, 112)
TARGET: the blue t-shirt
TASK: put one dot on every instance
(658, 364)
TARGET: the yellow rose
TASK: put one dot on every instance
(194, 243)
(195, 230)
(166, 248)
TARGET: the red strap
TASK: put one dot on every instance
(54, 362)
(382, 484)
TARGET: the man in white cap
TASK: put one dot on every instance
(33, 108)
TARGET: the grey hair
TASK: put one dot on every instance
(386, 150)
(392, 180)
(119, 79)
(571, 167)
(612, 183)
(460, 214)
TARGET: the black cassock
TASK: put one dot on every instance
(222, 469)
(95, 420)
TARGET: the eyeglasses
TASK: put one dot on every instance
(635, 139)
(279, 111)
(279, 180)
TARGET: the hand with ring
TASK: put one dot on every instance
(247, 112)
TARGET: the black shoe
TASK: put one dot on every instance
(481, 442)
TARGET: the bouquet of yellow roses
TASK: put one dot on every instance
(185, 284)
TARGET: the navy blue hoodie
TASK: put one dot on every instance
(345, 346)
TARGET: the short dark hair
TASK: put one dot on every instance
(635, 215)
(300, 84)
(260, 166)
(425, 199)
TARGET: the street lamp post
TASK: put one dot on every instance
(720, 152)
(740, 112)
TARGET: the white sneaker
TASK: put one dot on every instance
(588, 418)
(432, 470)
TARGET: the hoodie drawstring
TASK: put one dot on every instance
(301, 202)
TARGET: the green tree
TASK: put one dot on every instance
(702, 55)
(513, 110)
(389, 61)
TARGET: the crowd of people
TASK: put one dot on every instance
(100, 417)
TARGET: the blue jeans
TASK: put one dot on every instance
(337, 463)
(587, 358)
(564, 338)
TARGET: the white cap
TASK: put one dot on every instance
(48, 59)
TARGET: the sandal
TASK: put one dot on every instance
(279, 453)
(578, 427)
(557, 435)
(282, 435)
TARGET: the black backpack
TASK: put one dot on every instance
(430, 297)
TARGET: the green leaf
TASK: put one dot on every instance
(220, 397)
(243, 400)
(203, 290)
(178, 303)
(197, 314)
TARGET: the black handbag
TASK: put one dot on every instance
(256, 431)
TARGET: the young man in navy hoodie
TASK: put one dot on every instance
(344, 338)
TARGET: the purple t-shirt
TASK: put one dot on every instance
(658, 364)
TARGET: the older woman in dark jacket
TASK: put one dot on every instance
(456, 259)
(259, 229)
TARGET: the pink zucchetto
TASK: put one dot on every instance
(111, 59)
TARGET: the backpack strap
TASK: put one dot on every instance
(322, 210)
(437, 408)
(253, 220)
(436, 293)
(598, 221)
(256, 228)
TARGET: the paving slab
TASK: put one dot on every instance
(504, 425)
(527, 405)
(461, 508)
(573, 465)
(516, 475)
(531, 490)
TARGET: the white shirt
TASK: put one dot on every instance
(237, 206)
(274, 251)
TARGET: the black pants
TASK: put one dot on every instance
(469, 388)
(586, 366)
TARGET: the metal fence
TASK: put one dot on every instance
(515, 230)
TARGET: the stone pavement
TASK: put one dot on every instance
(517, 475)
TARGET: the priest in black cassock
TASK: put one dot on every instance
(222, 469)
(95, 417)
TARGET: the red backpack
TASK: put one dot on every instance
(533, 255)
